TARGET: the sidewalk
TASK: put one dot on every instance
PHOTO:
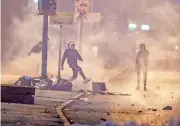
(42, 113)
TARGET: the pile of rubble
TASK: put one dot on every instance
(50, 83)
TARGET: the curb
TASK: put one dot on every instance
(60, 108)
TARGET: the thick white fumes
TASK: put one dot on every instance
(27, 33)
(116, 47)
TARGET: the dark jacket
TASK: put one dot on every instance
(72, 56)
(142, 58)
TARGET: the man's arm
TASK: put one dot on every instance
(137, 60)
(147, 55)
(78, 56)
(64, 57)
(31, 51)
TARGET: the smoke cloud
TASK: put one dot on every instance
(114, 48)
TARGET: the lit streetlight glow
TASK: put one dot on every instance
(176, 47)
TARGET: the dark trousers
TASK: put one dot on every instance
(144, 71)
(75, 68)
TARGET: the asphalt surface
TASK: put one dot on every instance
(140, 106)
(42, 113)
(122, 108)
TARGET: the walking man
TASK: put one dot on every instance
(72, 56)
(142, 65)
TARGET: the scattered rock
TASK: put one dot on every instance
(132, 105)
(158, 87)
(72, 122)
(167, 108)
(18, 123)
(144, 95)
(46, 111)
(154, 109)
(108, 113)
(103, 119)
(172, 97)
(140, 111)
(83, 99)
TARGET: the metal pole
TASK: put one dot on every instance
(60, 47)
(80, 35)
(44, 47)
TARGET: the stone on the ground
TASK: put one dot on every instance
(167, 108)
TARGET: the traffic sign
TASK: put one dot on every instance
(62, 18)
(90, 17)
(81, 8)
(47, 7)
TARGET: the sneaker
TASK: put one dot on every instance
(145, 89)
(86, 80)
(138, 88)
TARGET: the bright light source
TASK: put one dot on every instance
(95, 50)
(176, 47)
(132, 26)
(145, 27)
(36, 1)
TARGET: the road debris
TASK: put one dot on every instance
(167, 108)
(154, 109)
(83, 99)
(132, 105)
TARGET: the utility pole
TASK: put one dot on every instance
(80, 34)
(44, 47)
(60, 48)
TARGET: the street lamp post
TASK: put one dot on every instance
(44, 47)
(60, 48)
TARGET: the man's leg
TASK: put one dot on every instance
(78, 68)
(138, 78)
(145, 78)
(75, 73)
(81, 73)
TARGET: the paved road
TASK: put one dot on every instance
(164, 89)
(42, 113)
(123, 108)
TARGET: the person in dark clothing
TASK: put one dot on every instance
(72, 56)
(142, 65)
(36, 49)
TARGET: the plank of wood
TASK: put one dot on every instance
(17, 90)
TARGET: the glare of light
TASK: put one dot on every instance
(176, 47)
(132, 26)
(36, 1)
(145, 27)
(95, 50)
